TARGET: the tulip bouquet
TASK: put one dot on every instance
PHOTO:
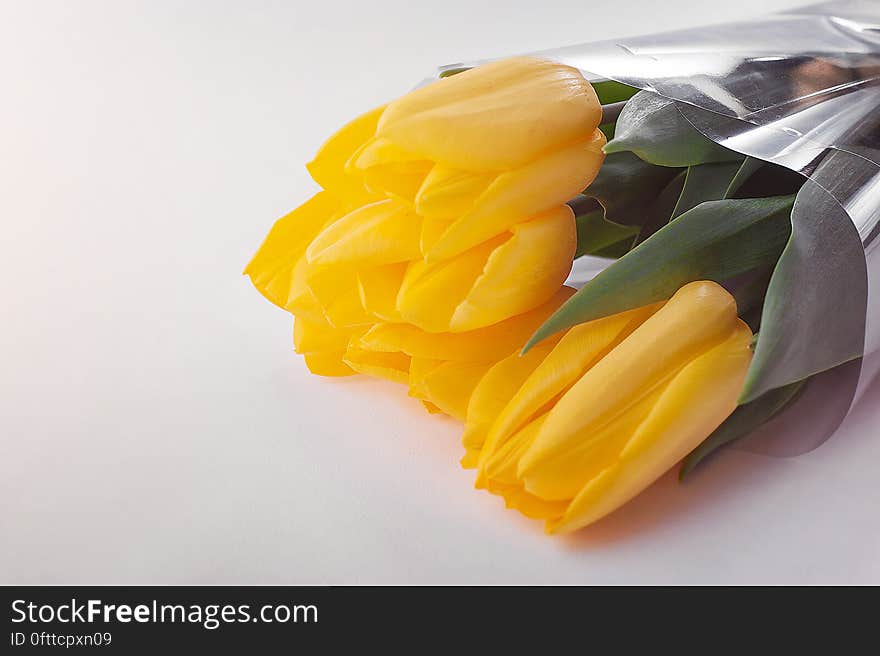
(436, 255)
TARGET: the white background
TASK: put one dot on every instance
(155, 426)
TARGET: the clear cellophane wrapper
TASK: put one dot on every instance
(800, 89)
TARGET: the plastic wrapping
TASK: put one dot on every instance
(800, 89)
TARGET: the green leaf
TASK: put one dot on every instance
(743, 421)
(610, 91)
(449, 72)
(660, 212)
(652, 127)
(814, 311)
(616, 250)
(747, 169)
(716, 240)
(627, 187)
(695, 185)
(749, 294)
(595, 234)
(705, 182)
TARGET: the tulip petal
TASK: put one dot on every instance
(563, 474)
(522, 273)
(318, 337)
(399, 180)
(430, 293)
(494, 117)
(390, 366)
(271, 268)
(384, 232)
(419, 368)
(337, 292)
(432, 230)
(378, 288)
(531, 506)
(488, 344)
(380, 152)
(328, 168)
(447, 193)
(501, 464)
(717, 375)
(470, 458)
(346, 311)
(328, 364)
(578, 350)
(695, 403)
(492, 394)
(518, 195)
(449, 385)
(697, 317)
(301, 302)
(431, 408)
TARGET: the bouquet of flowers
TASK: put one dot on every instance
(725, 181)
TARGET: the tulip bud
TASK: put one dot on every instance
(444, 368)
(443, 212)
(518, 387)
(322, 346)
(615, 404)
(512, 273)
(445, 385)
(486, 149)
(493, 392)
(328, 167)
(350, 249)
(272, 267)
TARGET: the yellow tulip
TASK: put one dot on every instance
(444, 368)
(322, 346)
(442, 213)
(615, 404)
(353, 248)
(365, 267)
(513, 391)
(445, 385)
(484, 150)
(278, 269)
(511, 273)
(488, 344)
(272, 268)
(493, 392)
(328, 168)
(496, 116)
(440, 241)
(390, 366)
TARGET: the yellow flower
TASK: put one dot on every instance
(514, 272)
(444, 368)
(322, 347)
(278, 269)
(440, 241)
(484, 150)
(613, 405)
(328, 168)
(443, 212)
